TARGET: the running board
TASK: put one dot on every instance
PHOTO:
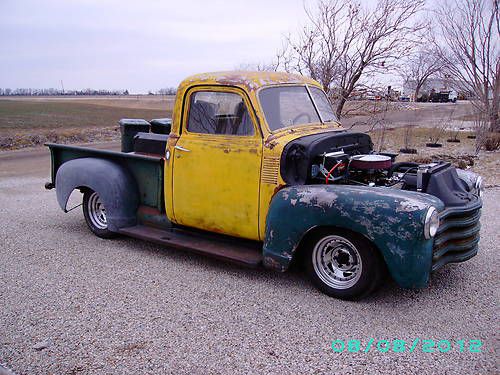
(226, 248)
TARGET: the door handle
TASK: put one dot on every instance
(180, 148)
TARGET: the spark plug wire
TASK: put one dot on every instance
(331, 170)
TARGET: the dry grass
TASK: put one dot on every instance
(460, 154)
(370, 107)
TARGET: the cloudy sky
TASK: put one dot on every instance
(135, 45)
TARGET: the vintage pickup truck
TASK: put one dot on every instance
(255, 168)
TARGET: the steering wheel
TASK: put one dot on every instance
(302, 114)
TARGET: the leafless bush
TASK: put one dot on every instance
(380, 136)
(6, 142)
(492, 142)
(462, 161)
(52, 136)
(454, 135)
(37, 139)
(408, 137)
(373, 114)
(436, 132)
(377, 123)
(381, 124)
(439, 128)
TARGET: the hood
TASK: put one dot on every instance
(284, 136)
(300, 153)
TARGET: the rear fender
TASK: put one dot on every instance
(115, 186)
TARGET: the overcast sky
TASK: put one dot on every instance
(135, 45)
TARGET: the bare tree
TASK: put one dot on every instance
(481, 132)
(469, 44)
(344, 41)
(417, 68)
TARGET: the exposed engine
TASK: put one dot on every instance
(368, 169)
(348, 158)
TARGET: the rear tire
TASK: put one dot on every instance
(95, 215)
(342, 264)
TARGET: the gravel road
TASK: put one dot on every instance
(72, 303)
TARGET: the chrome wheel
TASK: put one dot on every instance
(97, 212)
(337, 262)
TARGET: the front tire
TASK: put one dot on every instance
(342, 264)
(95, 215)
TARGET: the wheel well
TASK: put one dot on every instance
(301, 248)
(113, 182)
(82, 189)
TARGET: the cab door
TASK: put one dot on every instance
(217, 162)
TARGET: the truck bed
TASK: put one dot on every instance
(147, 170)
(152, 223)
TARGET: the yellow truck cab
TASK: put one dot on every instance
(254, 168)
(219, 133)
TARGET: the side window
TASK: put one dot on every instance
(213, 112)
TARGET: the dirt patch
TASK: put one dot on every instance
(66, 136)
(363, 116)
(156, 102)
(370, 107)
(28, 123)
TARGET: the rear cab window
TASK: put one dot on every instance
(216, 112)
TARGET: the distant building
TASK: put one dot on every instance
(435, 85)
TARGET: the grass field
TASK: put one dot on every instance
(29, 122)
(29, 115)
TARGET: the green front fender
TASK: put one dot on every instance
(391, 219)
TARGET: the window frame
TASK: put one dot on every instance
(223, 89)
(308, 87)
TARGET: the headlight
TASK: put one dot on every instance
(479, 185)
(431, 223)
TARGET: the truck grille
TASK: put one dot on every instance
(270, 167)
(458, 235)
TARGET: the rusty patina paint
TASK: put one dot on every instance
(391, 219)
(273, 142)
(153, 217)
(146, 169)
(290, 134)
(248, 80)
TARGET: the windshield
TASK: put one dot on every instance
(291, 105)
(324, 107)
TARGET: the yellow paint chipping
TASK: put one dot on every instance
(225, 183)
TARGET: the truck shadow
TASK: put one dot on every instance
(447, 284)
(448, 281)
